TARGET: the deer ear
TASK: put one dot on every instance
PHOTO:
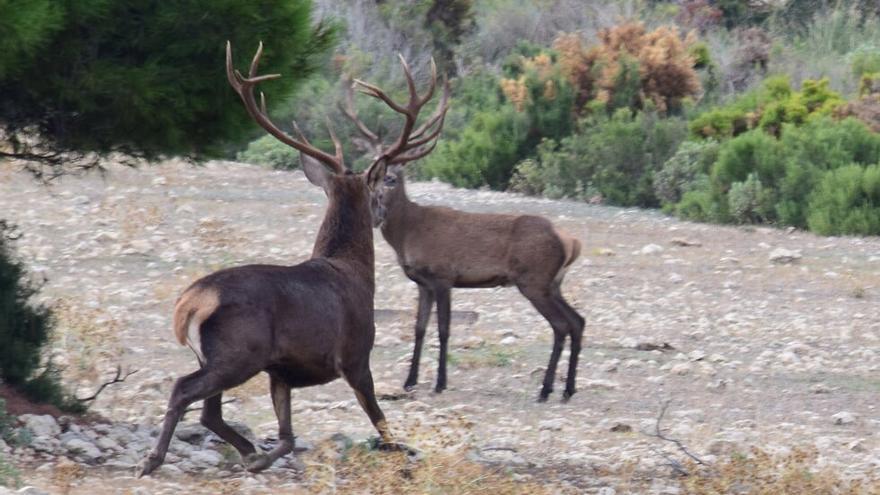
(376, 173)
(315, 171)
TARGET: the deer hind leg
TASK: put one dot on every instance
(576, 325)
(188, 389)
(444, 310)
(547, 305)
(362, 382)
(426, 301)
(212, 419)
(281, 402)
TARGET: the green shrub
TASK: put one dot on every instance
(847, 201)
(25, 328)
(270, 152)
(686, 170)
(137, 76)
(750, 202)
(485, 153)
(612, 156)
(752, 152)
(699, 206)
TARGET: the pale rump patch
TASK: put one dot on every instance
(193, 307)
(571, 248)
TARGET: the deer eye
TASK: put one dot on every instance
(390, 180)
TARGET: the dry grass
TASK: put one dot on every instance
(88, 336)
(443, 466)
(760, 473)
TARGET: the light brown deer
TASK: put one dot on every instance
(304, 325)
(441, 248)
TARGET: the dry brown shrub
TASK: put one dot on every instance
(666, 69)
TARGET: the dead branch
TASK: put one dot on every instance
(658, 433)
(116, 379)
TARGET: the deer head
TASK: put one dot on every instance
(412, 144)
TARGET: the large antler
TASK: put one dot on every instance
(244, 86)
(413, 143)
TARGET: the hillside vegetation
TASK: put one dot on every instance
(729, 111)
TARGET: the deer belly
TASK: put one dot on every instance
(485, 282)
(303, 376)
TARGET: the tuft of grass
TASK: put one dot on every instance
(764, 474)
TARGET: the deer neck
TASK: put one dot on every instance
(346, 234)
(397, 216)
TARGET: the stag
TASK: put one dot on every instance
(303, 325)
(441, 248)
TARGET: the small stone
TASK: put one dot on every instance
(204, 458)
(650, 249)
(598, 385)
(681, 369)
(606, 490)
(844, 418)
(782, 256)
(508, 340)
(555, 424)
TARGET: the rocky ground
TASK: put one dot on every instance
(757, 338)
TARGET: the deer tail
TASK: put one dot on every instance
(194, 306)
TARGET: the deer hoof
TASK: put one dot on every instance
(148, 465)
(409, 385)
(567, 395)
(542, 397)
(257, 462)
(439, 388)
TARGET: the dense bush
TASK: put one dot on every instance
(25, 329)
(758, 178)
(614, 157)
(631, 67)
(270, 152)
(847, 201)
(140, 76)
(687, 170)
(485, 152)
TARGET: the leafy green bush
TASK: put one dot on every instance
(25, 328)
(270, 152)
(749, 201)
(847, 201)
(485, 152)
(686, 170)
(615, 157)
(768, 108)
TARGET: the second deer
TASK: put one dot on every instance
(440, 248)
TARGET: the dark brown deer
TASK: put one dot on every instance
(304, 325)
(441, 248)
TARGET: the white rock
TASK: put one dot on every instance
(783, 256)
(83, 449)
(41, 425)
(844, 418)
(555, 424)
(681, 369)
(650, 249)
(204, 458)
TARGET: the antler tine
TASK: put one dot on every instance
(442, 106)
(410, 84)
(336, 144)
(351, 112)
(430, 93)
(252, 71)
(375, 92)
(244, 86)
